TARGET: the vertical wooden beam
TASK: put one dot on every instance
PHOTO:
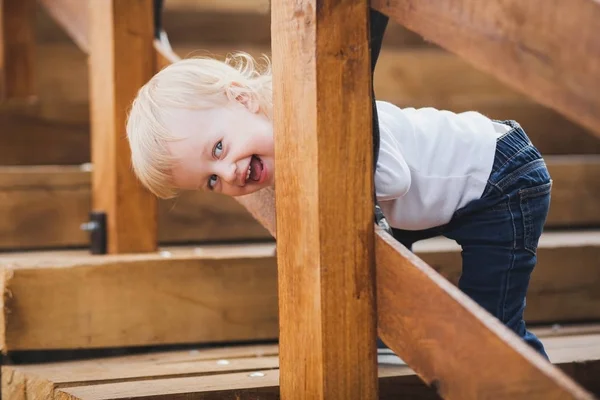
(325, 235)
(17, 49)
(122, 58)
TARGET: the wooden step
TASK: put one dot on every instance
(246, 372)
(44, 207)
(224, 293)
(59, 123)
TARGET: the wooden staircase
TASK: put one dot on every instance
(194, 306)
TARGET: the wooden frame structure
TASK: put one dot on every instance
(329, 299)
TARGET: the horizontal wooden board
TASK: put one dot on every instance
(192, 21)
(556, 294)
(59, 123)
(230, 290)
(74, 300)
(217, 373)
(45, 207)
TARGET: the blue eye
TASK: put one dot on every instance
(218, 149)
(212, 181)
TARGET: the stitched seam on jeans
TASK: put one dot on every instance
(516, 174)
(527, 224)
(536, 191)
(522, 149)
(510, 268)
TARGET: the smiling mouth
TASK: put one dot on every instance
(255, 169)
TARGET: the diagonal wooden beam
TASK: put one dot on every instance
(548, 50)
(17, 49)
(72, 16)
(453, 344)
(326, 277)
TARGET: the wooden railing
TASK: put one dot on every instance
(341, 279)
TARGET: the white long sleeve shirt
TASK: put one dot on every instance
(431, 163)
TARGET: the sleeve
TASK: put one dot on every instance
(392, 174)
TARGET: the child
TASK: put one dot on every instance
(207, 124)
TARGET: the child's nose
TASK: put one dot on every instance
(230, 174)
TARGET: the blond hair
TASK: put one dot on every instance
(192, 83)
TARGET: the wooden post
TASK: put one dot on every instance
(324, 184)
(17, 49)
(121, 60)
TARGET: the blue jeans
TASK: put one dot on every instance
(499, 232)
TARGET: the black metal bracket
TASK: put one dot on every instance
(97, 228)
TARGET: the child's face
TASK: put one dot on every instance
(228, 150)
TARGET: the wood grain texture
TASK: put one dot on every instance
(548, 50)
(225, 373)
(121, 61)
(17, 49)
(420, 314)
(186, 296)
(323, 153)
(557, 294)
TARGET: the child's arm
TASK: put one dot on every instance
(392, 177)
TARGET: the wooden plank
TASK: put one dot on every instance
(418, 312)
(226, 6)
(576, 192)
(43, 207)
(59, 123)
(172, 298)
(396, 383)
(197, 22)
(48, 377)
(547, 50)
(72, 16)
(557, 294)
(121, 61)
(323, 148)
(216, 373)
(17, 49)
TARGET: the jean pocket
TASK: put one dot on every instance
(535, 204)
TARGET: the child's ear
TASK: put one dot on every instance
(243, 95)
